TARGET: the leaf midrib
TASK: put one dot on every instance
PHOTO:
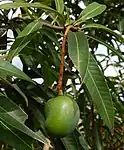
(77, 49)
(92, 11)
(81, 19)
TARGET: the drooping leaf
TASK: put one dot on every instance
(99, 26)
(59, 6)
(98, 89)
(24, 5)
(16, 87)
(89, 12)
(8, 69)
(108, 46)
(78, 51)
(12, 116)
(16, 139)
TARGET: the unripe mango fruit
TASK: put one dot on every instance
(62, 116)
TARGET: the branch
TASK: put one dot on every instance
(62, 60)
(53, 26)
(73, 28)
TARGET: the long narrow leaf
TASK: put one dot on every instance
(24, 38)
(16, 87)
(12, 115)
(24, 5)
(8, 69)
(98, 89)
(108, 46)
(12, 138)
(83, 142)
(31, 27)
(59, 6)
(89, 12)
(99, 26)
(71, 142)
(78, 51)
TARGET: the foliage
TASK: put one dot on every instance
(94, 44)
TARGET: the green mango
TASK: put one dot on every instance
(62, 116)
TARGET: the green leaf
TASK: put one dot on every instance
(98, 138)
(92, 10)
(16, 87)
(24, 5)
(24, 38)
(31, 27)
(79, 51)
(8, 69)
(121, 25)
(99, 26)
(83, 142)
(9, 136)
(51, 34)
(48, 74)
(59, 6)
(108, 46)
(13, 116)
(38, 116)
(71, 142)
(98, 89)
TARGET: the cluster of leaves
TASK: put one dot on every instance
(37, 42)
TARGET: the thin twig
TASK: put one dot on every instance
(73, 28)
(53, 26)
(62, 60)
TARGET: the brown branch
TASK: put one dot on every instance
(62, 60)
(73, 28)
(53, 26)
